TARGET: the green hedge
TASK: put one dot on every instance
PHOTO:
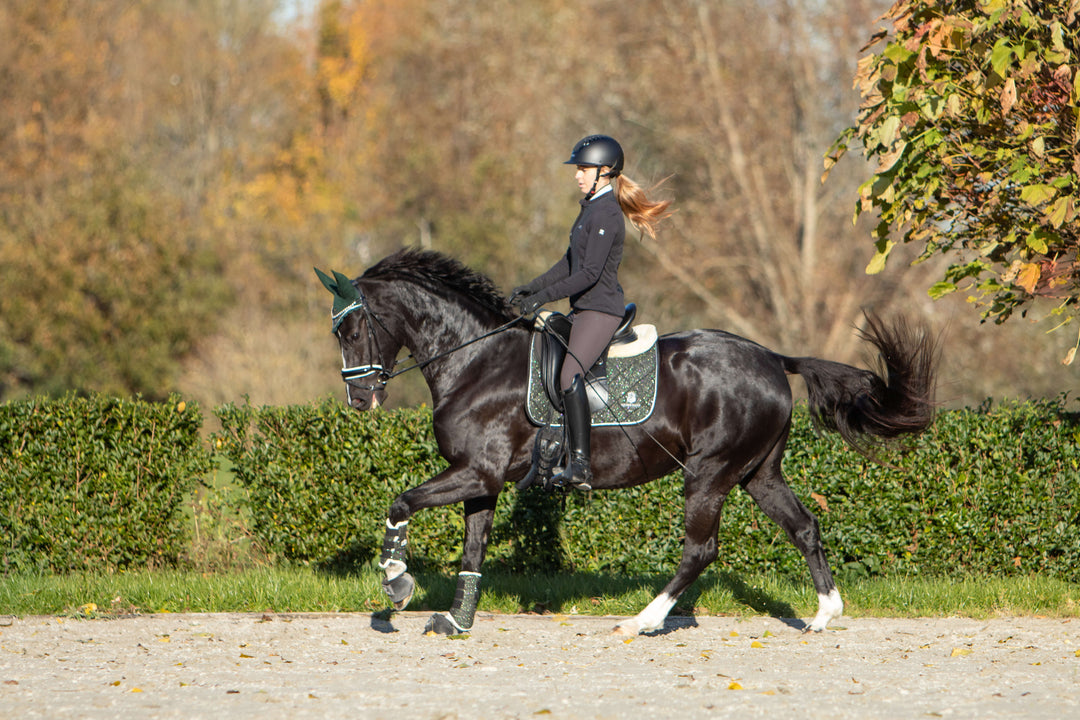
(990, 490)
(100, 483)
(96, 483)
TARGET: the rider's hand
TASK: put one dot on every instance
(530, 304)
(526, 300)
(520, 292)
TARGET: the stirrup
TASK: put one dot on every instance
(547, 451)
(577, 474)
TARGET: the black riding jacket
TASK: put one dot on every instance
(588, 273)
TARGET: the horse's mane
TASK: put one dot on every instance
(438, 272)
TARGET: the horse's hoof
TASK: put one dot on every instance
(628, 629)
(443, 624)
(400, 590)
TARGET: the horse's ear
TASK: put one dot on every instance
(346, 296)
(327, 281)
(345, 288)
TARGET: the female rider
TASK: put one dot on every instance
(588, 275)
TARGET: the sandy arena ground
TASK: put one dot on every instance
(359, 665)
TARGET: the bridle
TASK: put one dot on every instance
(355, 374)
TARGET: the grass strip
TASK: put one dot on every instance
(304, 589)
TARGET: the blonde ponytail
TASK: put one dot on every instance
(643, 213)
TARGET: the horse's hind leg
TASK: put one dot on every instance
(704, 502)
(479, 515)
(772, 494)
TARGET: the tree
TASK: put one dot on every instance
(758, 240)
(105, 282)
(970, 109)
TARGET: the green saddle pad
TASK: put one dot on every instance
(631, 385)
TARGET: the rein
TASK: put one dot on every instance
(419, 365)
(351, 374)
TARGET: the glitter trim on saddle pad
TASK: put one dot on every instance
(631, 384)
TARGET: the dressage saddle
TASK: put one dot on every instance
(554, 338)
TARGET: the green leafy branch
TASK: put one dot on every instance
(970, 110)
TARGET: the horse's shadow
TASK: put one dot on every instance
(569, 592)
(536, 574)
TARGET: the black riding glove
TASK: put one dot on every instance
(526, 300)
(520, 292)
(530, 304)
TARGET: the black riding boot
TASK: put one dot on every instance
(578, 418)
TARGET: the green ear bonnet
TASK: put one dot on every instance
(347, 297)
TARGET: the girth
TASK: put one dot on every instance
(554, 338)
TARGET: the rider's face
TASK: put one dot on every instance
(586, 176)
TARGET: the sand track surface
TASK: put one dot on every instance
(530, 666)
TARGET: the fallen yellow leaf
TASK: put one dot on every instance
(734, 686)
(1028, 277)
(756, 644)
(960, 652)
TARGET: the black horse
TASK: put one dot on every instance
(723, 415)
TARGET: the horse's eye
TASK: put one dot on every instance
(355, 336)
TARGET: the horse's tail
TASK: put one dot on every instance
(865, 406)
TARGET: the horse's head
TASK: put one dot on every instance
(368, 350)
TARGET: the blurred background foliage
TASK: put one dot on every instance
(171, 170)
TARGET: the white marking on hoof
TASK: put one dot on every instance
(649, 619)
(830, 607)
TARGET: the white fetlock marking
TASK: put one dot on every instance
(392, 526)
(649, 619)
(830, 607)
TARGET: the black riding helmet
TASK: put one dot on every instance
(598, 151)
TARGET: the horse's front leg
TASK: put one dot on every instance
(453, 485)
(479, 515)
(398, 584)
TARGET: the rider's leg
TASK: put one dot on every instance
(589, 336)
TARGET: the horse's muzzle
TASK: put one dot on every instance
(361, 401)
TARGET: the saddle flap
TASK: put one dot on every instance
(553, 340)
